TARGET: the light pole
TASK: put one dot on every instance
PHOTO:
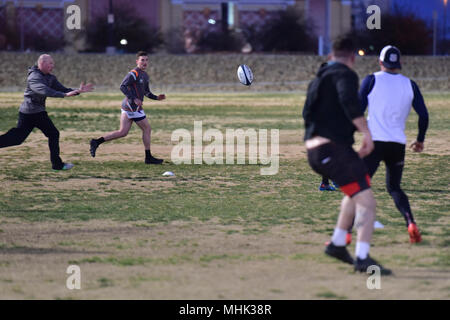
(224, 24)
(327, 26)
(22, 27)
(434, 31)
(444, 49)
(110, 49)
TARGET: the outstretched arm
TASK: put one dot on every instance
(422, 112)
(150, 95)
(59, 87)
(37, 85)
(83, 88)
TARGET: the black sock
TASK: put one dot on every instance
(100, 140)
(402, 203)
(325, 180)
(148, 154)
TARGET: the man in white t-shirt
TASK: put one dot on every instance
(389, 96)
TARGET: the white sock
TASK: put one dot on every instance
(362, 249)
(338, 237)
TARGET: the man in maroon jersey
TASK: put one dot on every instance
(134, 86)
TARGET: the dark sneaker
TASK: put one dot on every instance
(66, 166)
(94, 146)
(339, 253)
(326, 187)
(361, 265)
(153, 160)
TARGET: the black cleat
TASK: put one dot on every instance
(153, 160)
(362, 265)
(339, 253)
(94, 146)
(65, 166)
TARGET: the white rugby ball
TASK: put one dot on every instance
(245, 74)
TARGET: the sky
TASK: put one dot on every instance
(424, 8)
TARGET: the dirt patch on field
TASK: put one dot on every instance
(127, 149)
(197, 260)
(98, 184)
(438, 145)
(130, 148)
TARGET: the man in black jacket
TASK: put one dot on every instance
(40, 85)
(331, 114)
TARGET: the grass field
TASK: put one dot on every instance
(211, 231)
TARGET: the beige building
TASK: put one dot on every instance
(196, 13)
(329, 18)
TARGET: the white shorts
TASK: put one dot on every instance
(136, 116)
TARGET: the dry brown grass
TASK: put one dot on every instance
(212, 259)
(195, 260)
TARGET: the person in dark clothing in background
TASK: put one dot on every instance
(134, 86)
(326, 186)
(40, 85)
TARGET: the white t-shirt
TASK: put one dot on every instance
(389, 104)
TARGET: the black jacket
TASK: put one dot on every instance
(39, 87)
(332, 103)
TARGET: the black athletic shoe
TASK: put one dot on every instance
(66, 166)
(153, 160)
(94, 146)
(340, 253)
(361, 265)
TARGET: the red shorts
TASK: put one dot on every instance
(341, 164)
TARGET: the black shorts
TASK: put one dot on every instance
(392, 153)
(138, 119)
(341, 164)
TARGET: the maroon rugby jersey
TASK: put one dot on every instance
(135, 85)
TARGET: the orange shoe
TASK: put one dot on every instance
(348, 238)
(414, 234)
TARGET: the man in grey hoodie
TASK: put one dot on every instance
(40, 85)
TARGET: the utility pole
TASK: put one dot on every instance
(22, 27)
(110, 49)
(327, 39)
(444, 43)
(434, 31)
(224, 7)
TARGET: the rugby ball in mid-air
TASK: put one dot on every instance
(245, 74)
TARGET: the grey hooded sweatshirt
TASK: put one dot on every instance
(39, 87)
